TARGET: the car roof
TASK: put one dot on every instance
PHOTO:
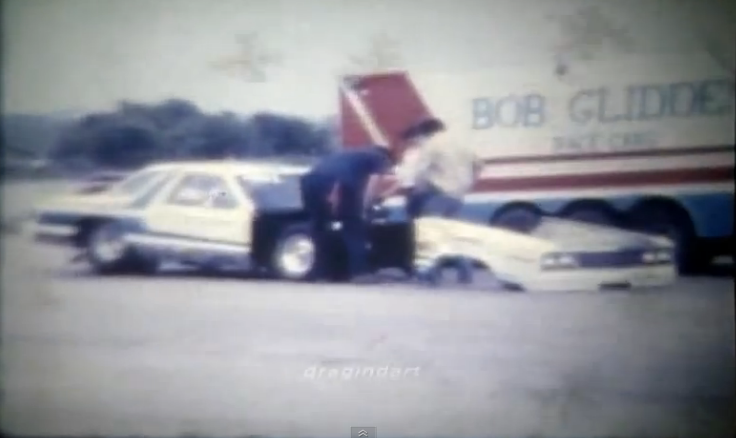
(238, 167)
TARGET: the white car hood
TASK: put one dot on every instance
(577, 236)
(101, 202)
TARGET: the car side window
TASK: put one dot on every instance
(189, 192)
(220, 195)
(203, 190)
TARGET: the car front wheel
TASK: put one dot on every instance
(109, 253)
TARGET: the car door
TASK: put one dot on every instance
(203, 210)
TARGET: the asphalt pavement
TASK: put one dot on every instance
(186, 354)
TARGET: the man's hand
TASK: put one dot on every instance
(389, 186)
(372, 189)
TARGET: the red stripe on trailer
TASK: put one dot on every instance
(712, 175)
(392, 100)
(655, 153)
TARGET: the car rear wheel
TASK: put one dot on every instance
(294, 256)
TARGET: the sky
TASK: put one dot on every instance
(87, 55)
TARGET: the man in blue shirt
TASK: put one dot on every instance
(342, 186)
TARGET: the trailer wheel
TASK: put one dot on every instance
(521, 218)
(670, 221)
(597, 213)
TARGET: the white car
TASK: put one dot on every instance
(198, 213)
(555, 255)
(213, 215)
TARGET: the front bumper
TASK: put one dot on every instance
(600, 279)
(58, 235)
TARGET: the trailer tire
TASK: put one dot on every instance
(521, 217)
(669, 220)
(592, 212)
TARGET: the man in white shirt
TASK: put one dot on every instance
(409, 174)
(437, 172)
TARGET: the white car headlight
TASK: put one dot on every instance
(649, 257)
(556, 261)
(657, 256)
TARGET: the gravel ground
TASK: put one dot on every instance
(182, 354)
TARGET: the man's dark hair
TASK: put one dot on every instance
(424, 128)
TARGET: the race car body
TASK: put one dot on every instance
(553, 255)
(217, 215)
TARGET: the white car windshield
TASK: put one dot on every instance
(136, 182)
(273, 190)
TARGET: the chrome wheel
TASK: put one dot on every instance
(296, 256)
(107, 244)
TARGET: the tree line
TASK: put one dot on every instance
(134, 134)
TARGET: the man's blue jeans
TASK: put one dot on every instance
(430, 201)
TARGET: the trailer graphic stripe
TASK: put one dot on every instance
(712, 175)
(652, 153)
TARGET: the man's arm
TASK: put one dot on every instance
(427, 157)
(393, 186)
(372, 189)
(405, 175)
(381, 165)
(333, 198)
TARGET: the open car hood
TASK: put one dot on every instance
(84, 202)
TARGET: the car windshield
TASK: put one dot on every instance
(273, 191)
(136, 182)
